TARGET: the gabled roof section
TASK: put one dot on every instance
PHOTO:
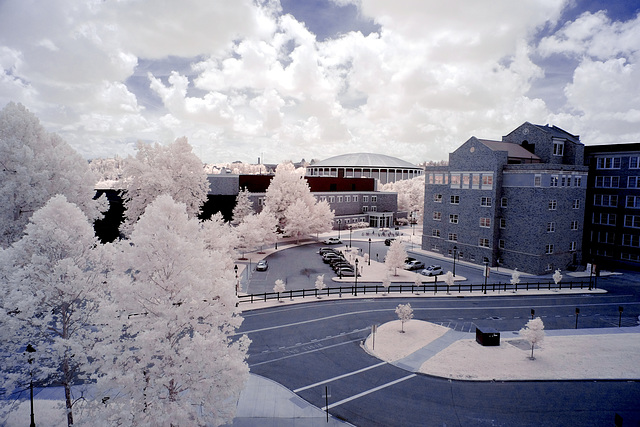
(556, 132)
(514, 151)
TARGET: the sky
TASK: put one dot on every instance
(291, 79)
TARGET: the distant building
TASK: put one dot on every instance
(365, 165)
(612, 236)
(517, 203)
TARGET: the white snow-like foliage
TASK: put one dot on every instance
(158, 169)
(386, 282)
(35, 166)
(417, 280)
(449, 279)
(405, 313)
(320, 282)
(219, 235)
(557, 276)
(243, 206)
(533, 332)
(515, 277)
(297, 211)
(395, 256)
(256, 230)
(166, 354)
(50, 286)
(410, 194)
(279, 286)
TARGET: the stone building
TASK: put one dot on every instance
(517, 203)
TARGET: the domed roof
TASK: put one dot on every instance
(364, 160)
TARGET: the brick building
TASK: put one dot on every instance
(517, 203)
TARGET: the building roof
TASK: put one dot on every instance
(513, 150)
(365, 160)
(556, 132)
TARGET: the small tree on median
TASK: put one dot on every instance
(279, 287)
(557, 276)
(320, 282)
(395, 256)
(405, 313)
(448, 279)
(515, 278)
(533, 332)
(386, 282)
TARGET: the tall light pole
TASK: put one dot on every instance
(339, 224)
(235, 268)
(486, 273)
(350, 230)
(369, 260)
(31, 349)
(455, 252)
(356, 293)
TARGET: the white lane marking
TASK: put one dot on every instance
(348, 374)
(364, 393)
(304, 352)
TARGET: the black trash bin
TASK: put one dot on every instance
(487, 336)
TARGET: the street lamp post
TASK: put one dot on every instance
(339, 225)
(31, 349)
(413, 223)
(369, 260)
(486, 265)
(350, 230)
(455, 252)
(356, 291)
(235, 268)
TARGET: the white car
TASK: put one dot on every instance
(414, 265)
(332, 241)
(432, 270)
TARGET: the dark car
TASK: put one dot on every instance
(325, 250)
(339, 265)
(262, 265)
(347, 272)
(330, 256)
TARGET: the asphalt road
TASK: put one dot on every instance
(308, 347)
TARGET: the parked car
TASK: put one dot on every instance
(347, 272)
(388, 241)
(332, 241)
(342, 264)
(330, 256)
(414, 265)
(262, 265)
(432, 270)
(323, 251)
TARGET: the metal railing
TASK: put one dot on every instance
(400, 288)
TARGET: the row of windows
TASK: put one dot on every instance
(614, 182)
(610, 200)
(605, 237)
(366, 209)
(551, 226)
(349, 220)
(631, 221)
(462, 180)
(455, 200)
(348, 199)
(484, 243)
(616, 162)
(559, 181)
(486, 222)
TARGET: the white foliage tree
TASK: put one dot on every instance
(279, 287)
(256, 230)
(320, 282)
(557, 276)
(164, 169)
(395, 256)
(289, 199)
(410, 194)
(34, 166)
(219, 235)
(405, 313)
(515, 277)
(448, 279)
(386, 282)
(243, 207)
(52, 281)
(533, 332)
(167, 354)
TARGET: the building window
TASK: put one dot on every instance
(475, 180)
(608, 163)
(632, 221)
(437, 216)
(374, 199)
(339, 199)
(483, 242)
(630, 257)
(503, 202)
(631, 240)
(503, 223)
(374, 209)
(465, 180)
(332, 199)
(455, 200)
(537, 180)
(435, 233)
(487, 182)
(551, 227)
(577, 181)
(437, 198)
(453, 218)
(434, 248)
(604, 218)
(554, 181)
(553, 205)
(501, 244)
(563, 181)
(365, 209)
(365, 199)
(576, 204)
(548, 249)
(604, 237)
(607, 181)
(455, 180)
(453, 237)
(633, 202)
(574, 225)
(610, 200)
(347, 199)
(355, 198)
(633, 163)
(485, 201)
(633, 182)
(549, 267)
(558, 148)
(485, 222)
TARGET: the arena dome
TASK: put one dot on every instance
(369, 165)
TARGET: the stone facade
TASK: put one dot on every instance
(500, 202)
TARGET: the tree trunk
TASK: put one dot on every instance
(532, 345)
